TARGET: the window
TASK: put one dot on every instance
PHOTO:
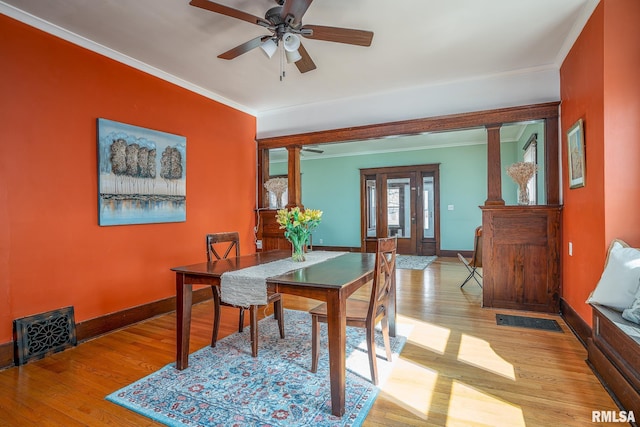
(371, 208)
(428, 206)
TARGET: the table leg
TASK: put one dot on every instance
(337, 328)
(254, 329)
(183, 321)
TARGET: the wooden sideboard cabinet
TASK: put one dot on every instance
(521, 257)
(269, 231)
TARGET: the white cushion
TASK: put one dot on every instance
(633, 314)
(618, 284)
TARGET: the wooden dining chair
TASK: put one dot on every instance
(475, 262)
(366, 314)
(220, 246)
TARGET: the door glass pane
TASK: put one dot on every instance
(399, 207)
(429, 205)
(371, 208)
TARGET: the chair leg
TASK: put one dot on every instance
(241, 319)
(385, 335)
(315, 343)
(216, 315)
(476, 279)
(476, 275)
(472, 272)
(371, 348)
(278, 313)
(254, 330)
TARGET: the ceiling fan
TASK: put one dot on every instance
(285, 23)
(312, 149)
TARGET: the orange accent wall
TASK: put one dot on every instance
(598, 83)
(622, 120)
(52, 252)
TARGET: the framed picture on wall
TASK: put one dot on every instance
(141, 175)
(575, 155)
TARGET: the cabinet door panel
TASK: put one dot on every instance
(521, 257)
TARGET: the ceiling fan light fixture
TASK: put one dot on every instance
(291, 44)
(293, 56)
(269, 48)
(291, 41)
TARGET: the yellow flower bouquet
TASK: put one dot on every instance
(298, 225)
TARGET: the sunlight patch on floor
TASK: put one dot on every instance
(413, 386)
(427, 335)
(410, 386)
(358, 360)
(478, 352)
(468, 406)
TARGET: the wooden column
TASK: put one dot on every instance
(551, 161)
(295, 177)
(494, 174)
(263, 176)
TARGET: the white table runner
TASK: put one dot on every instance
(248, 286)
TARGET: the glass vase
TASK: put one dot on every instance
(523, 195)
(297, 251)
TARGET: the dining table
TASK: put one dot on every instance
(331, 281)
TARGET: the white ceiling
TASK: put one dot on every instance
(425, 54)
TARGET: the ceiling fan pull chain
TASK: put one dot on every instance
(282, 76)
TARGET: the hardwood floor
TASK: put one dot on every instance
(458, 367)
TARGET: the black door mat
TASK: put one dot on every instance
(528, 322)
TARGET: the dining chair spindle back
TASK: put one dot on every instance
(366, 314)
(220, 246)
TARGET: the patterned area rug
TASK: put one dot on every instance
(412, 262)
(225, 386)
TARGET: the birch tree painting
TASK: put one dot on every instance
(142, 175)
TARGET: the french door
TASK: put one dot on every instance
(401, 202)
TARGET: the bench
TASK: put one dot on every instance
(614, 354)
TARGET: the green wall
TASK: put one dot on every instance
(333, 186)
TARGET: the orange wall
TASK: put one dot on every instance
(598, 83)
(622, 120)
(52, 252)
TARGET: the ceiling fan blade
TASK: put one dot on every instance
(313, 150)
(228, 11)
(306, 63)
(244, 48)
(339, 35)
(295, 8)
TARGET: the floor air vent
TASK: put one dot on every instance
(37, 336)
(528, 322)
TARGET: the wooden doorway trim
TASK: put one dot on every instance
(547, 111)
(423, 246)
